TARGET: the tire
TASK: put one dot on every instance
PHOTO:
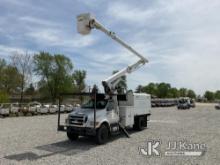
(140, 123)
(102, 134)
(72, 136)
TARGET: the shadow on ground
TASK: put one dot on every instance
(66, 147)
(63, 147)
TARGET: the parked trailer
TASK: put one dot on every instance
(166, 102)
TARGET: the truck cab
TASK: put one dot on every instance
(111, 114)
(184, 103)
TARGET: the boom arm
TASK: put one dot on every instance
(85, 23)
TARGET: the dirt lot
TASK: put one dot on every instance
(34, 140)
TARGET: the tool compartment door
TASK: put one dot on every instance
(126, 114)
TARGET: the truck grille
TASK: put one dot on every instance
(76, 120)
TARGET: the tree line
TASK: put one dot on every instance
(54, 71)
(165, 90)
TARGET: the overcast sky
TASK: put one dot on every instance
(181, 39)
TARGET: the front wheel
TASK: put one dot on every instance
(102, 135)
(72, 136)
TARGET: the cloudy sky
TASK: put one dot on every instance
(181, 39)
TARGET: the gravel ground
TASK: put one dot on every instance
(34, 140)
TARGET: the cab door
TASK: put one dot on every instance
(111, 112)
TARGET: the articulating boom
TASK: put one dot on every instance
(84, 25)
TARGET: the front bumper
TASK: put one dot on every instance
(83, 131)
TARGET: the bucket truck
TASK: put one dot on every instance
(113, 112)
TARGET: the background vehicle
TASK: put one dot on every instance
(14, 108)
(217, 107)
(183, 103)
(5, 109)
(44, 109)
(192, 103)
(109, 113)
(62, 108)
(68, 108)
(53, 108)
(34, 107)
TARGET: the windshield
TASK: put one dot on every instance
(100, 104)
(182, 101)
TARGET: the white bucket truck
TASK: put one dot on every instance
(108, 113)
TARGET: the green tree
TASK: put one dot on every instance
(210, 96)
(183, 92)
(30, 90)
(10, 80)
(163, 89)
(23, 63)
(2, 64)
(79, 77)
(139, 89)
(151, 88)
(2, 67)
(173, 93)
(55, 72)
(95, 89)
(4, 97)
(217, 94)
(191, 94)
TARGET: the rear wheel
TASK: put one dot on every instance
(102, 134)
(72, 136)
(140, 123)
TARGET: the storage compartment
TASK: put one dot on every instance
(142, 104)
(126, 114)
